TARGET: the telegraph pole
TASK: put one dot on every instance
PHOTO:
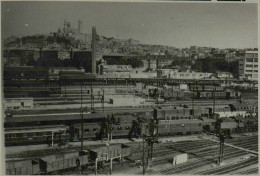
(193, 100)
(214, 99)
(103, 100)
(81, 109)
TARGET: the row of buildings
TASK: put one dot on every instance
(153, 66)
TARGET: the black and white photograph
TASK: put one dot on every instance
(129, 88)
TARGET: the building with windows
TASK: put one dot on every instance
(177, 74)
(248, 66)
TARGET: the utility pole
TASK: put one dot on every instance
(45, 90)
(193, 100)
(143, 154)
(81, 109)
(103, 100)
(214, 99)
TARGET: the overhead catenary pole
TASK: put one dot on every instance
(214, 99)
(81, 109)
(193, 99)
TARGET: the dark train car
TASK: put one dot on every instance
(51, 118)
(37, 134)
(90, 131)
(25, 73)
(231, 94)
(178, 113)
(196, 87)
(174, 127)
(169, 94)
(210, 95)
(208, 125)
(250, 124)
(122, 129)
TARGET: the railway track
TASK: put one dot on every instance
(230, 168)
(247, 172)
(184, 167)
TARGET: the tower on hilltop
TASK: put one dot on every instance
(79, 26)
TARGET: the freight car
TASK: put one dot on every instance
(22, 167)
(58, 161)
(173, 127)
(168, 94)
(217, 94)
(36, 134)
(177, 113)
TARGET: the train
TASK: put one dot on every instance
(37, 134)
(54, 162)
(171, 121)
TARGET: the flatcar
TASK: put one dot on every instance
(37, 134)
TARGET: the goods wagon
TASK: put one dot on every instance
(179, 127)
(22, 167)
(178, 113)
(58, 162)
(109, 151)
(171, 94)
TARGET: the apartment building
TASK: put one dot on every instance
(248, 66)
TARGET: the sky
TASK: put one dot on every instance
(221, 25)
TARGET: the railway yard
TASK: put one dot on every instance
(202, 153)
(129, 126)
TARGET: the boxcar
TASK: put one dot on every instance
(22, 167)
(173, 127)
(58, 162)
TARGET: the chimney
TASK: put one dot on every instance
(94, 48)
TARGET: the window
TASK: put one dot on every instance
(182, 125)
(119, 128)
(94, 129)
(127, 127)
(86, 130)
(249, 60)
(37, 134)
(8, 135)
(30, 135)
(19, 135)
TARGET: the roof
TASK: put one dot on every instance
(182, 121)
(52, 117)
(80, 75)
